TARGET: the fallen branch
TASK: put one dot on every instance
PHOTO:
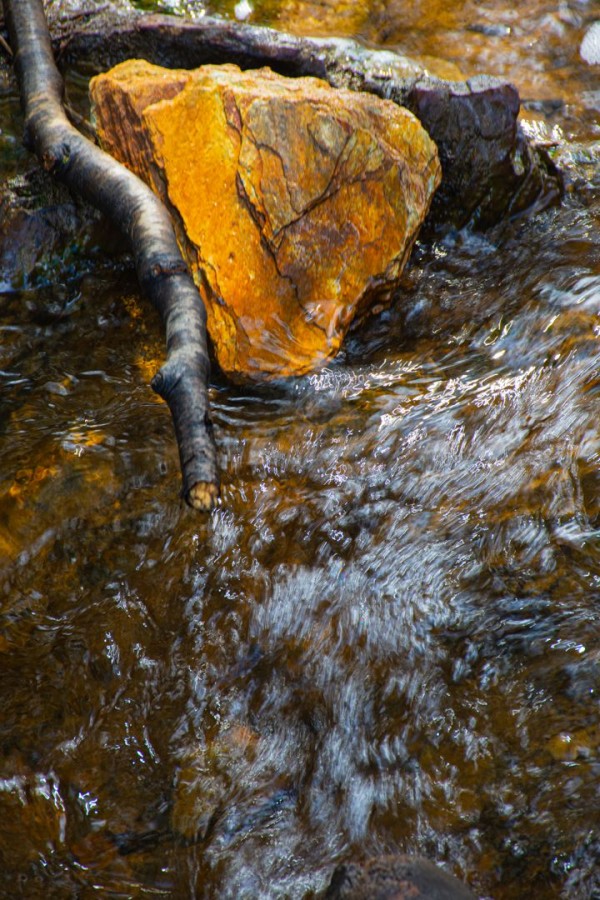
(66, 154)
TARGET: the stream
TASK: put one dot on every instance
(386, 638)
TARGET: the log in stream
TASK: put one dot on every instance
(163, 275)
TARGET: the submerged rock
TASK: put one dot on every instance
(326, 17)
(395, 878)
(46, 234)
(296, 204)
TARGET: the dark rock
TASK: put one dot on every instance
(46, 235)
(395, 878)
(489, 168)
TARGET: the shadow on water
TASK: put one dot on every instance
(385, 638)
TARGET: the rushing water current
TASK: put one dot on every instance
(387, 636)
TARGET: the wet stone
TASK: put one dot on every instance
(46, 234)
(395, 878)
(296, 204)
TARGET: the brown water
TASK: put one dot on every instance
(387, 637)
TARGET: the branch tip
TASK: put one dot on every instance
(157, 383)
(203, 496)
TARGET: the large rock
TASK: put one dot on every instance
(296, 204)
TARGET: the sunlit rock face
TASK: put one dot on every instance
(296, 204)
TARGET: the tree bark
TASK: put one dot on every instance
(164, 278)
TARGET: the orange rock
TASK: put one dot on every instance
(296, 204)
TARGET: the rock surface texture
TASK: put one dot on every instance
(296, 204)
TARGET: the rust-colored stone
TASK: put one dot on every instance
(296, 204)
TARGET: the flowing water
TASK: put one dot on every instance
(387, 637)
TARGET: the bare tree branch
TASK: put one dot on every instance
(97, 177)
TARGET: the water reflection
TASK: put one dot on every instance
(385, 638)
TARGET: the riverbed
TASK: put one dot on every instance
(386, 638)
